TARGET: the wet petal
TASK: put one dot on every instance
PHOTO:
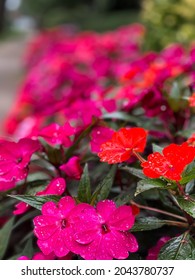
(122, 218)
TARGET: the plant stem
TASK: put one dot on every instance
(140, 158)
(158, 211)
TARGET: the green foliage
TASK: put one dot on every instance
(148, 184)
(36, 201)
(187, 204)
(5, 234)
(84, 190)
(168, 21)
(148, 223)
(178, 248)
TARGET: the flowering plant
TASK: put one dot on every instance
(99, 151)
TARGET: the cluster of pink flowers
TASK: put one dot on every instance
(90, 101)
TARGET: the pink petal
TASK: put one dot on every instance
(100, 135)
(45, 226)
(56, 187)
(105, 209)
(72, 168)
(114, 243)
(21, 208)
(122, 218)
(50, 209)
(130, 241)
(66, 204)
(60, 248)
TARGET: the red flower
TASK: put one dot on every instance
(122, 145)
(171, 163)
(192, 100)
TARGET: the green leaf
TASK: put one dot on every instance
(178, 248)
(156, 148)
(28, 249)
(147, 223)
(123, 198)
(5, 233)
(84, 189)
(134, 171)
(28, 216)
(148, 184)
(187, 204)
(121, 116)
(36, 201)
(174, 97)
(103, 189)
(188, 176)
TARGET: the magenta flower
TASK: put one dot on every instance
(72, 168)
(55, 134)
(54, 227)
(56, 187)
(14, 160)
(21, 208)
(38, 256)
(102, 233)
(100, 135)
(155, 250)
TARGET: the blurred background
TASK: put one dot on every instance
(166, 21)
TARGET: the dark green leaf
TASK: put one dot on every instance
(103, 189)
(187, 204)
(123, 198)
(5, 233)
(134, 171)
(178, 248)
(84, 189)
(148, 184)
(36, 201)
(188, 176)
(122, 116)
(28, 249)
(26, 217)
(148, 223)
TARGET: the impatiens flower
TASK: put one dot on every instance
(100, 135)
(103, 233)
(192, 100)
(54, 226)
(38, 256)
(21, 208)
(72, 168)
(56, 187)
(55, 134)
(154, 251)
(171, 163)
(14, 160)
(123, 144)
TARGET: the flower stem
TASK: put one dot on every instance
(158, 211)
(140, 158)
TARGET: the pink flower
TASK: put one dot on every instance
(102, 233)
(56, 187)
(54, 227)
(72, 168)
(55, 134)
(155, 250)
(21, 208)
(14, 160)
(38, 256)
(100, 135)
